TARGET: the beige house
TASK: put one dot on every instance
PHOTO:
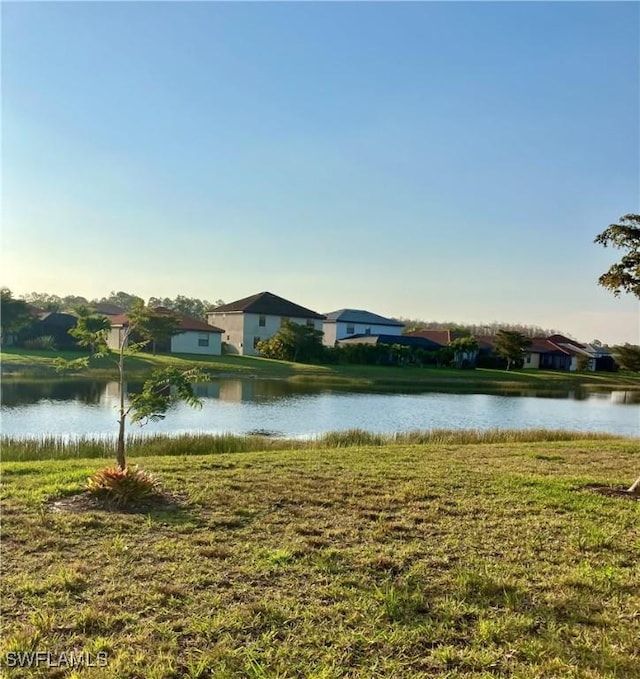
(249, 320)
(192, 337)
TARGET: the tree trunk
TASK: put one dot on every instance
(635, 487)
(120, 456)
(122, 463)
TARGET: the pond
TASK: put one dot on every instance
(279, 408)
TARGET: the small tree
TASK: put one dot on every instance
(153, 325)
(628, 357)
(465, 351)
(160, 391)
(293, 342)
(624, 276)
(511, 345)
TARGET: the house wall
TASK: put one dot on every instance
(341, 329)
(240, 329)
(531, 360)
(188, 342)
(232, 324)
(114, 337)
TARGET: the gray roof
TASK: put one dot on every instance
(360, 316)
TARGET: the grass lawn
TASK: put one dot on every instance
(393, 561)
(23, 363)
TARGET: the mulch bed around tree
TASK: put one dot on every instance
(86, 502)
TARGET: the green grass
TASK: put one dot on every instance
(381, 559)
(37, 364)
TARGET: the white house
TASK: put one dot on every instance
(249, 320)
(346, 322)
(192, 336)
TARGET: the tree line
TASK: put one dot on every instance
(189, 306)
(478, 329)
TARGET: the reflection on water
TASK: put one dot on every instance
(94, 392)
(87, 407)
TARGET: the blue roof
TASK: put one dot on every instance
(359, 316)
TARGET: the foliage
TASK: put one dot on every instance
(478, 329)
(465, 350)
(293, 342)
(14, 314)
(91, 331)
(152, 325)
(47, 302)
(189, 306)
(44, 342)
(624, 276)
(628, 357)
(583, 362)
(123, 486)
(124, 300)
(160, 391)
(165, 388)
(511, 345)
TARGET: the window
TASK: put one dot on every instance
(255, 342)
(262, 321)
(310, 323)
(367, 331)
(351, 330)
(228, 337)
(203, 339)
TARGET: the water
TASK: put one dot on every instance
(83, 408)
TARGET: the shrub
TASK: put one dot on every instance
(123, 486)
(46, 342)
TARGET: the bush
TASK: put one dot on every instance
(123, 486)
(45, 342)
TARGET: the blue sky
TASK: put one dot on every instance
(445, 161)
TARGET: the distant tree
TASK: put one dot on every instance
(624, 276)
(44, 301)
(444, 356)
(14, 314)
(583, 362)
(189, 306)
(124, 300)
(628, 357)
(465, 351)
(152, 325)
(74, 301)
(293, 342)
(478, 328)
(511, 345)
